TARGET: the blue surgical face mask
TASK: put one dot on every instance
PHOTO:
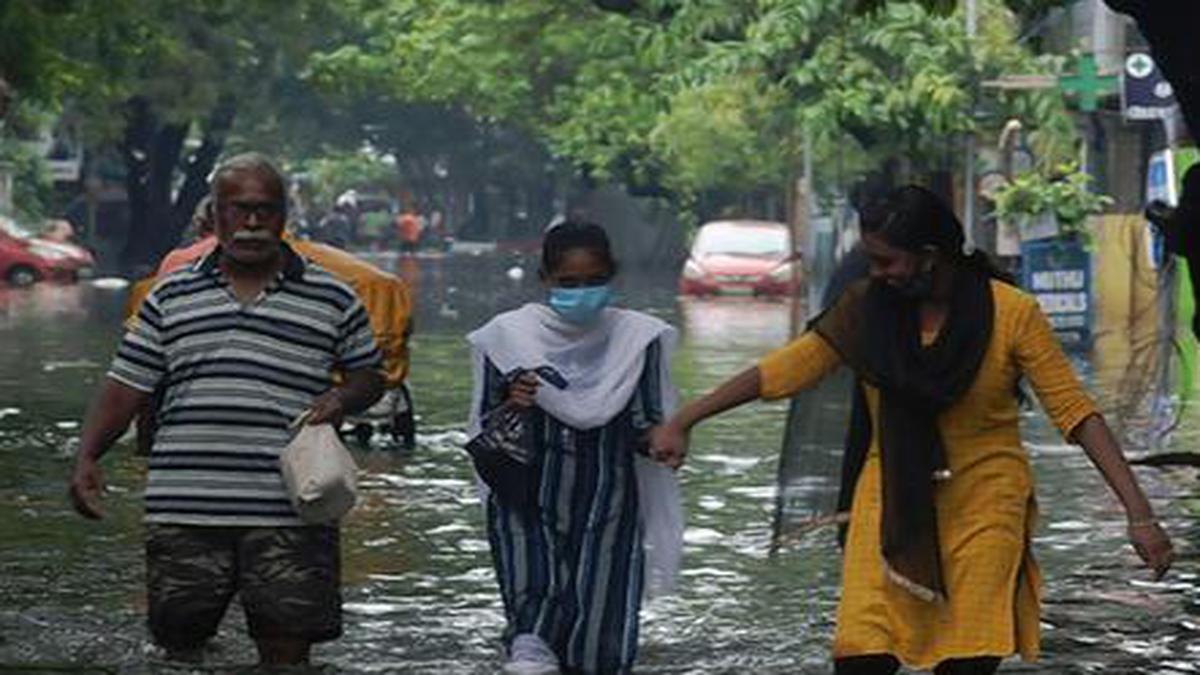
(581, 305)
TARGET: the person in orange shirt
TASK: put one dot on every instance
(938, 571)
(204, 227)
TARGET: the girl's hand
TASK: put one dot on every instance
(523, 391)
(669, 444)
(1153, 545)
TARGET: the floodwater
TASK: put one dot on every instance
(419, 591)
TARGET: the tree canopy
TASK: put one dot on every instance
(685, 96)
(681, 98)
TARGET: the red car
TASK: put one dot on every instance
(25, 259)
(743, 257)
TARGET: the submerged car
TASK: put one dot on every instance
(741, 257)
(26, 259)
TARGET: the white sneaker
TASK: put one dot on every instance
(530, 655)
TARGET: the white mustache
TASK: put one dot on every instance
(252, 235)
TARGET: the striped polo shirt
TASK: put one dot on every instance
(233, 376)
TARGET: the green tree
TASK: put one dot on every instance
(33, 65)
(461, 92)
(216, 63)
(692, 96)
(169, 85)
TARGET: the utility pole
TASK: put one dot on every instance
(969, 169)
(803, 268)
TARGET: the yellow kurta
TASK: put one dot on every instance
(986, 510)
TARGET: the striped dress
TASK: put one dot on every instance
(573, 574)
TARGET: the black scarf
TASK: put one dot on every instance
(877, 332)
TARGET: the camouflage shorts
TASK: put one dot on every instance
(288, 579)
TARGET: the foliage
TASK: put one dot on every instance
(167, 85)
(184, 58)
(32, 59)
(33, 191)
(1027, 9)
(570, 75)
(335, 173)
(1066, 192)
(679, 97)
(713, 136)
(694, 95)
(661, 8)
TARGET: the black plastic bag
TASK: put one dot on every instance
(503, 452)
(502, 456)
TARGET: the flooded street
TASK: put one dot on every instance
(419, 591)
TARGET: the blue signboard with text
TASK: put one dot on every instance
(1145, 93)
(1058, 272)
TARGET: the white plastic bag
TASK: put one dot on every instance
(320, 475)
(660, 507)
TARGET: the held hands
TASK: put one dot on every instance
(523, 391)
(87, 485)
(1152, 545)
(669, 444)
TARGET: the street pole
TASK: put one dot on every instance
(969, 169)
(802, 268)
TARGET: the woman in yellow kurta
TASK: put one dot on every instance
(937, 572)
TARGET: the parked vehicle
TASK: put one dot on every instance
(742, 257)
(26, 259)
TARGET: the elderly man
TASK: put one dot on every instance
(243, 341)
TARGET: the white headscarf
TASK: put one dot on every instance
(602, 364)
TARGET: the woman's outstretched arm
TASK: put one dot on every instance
(1073, 412)
(669, 441)
(796, 366)
(1145, 533)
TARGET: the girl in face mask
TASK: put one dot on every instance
(606, 526)
(938, 572)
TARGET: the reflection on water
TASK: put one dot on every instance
(419, 590)
(743, 325)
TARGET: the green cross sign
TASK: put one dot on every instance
(1087, 84)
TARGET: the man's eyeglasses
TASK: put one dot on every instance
(239, 211)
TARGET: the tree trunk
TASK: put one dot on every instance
(152, 152)
(200, 164)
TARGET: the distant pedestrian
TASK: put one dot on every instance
(605, 522)
(336, 228)
(242, 341)
(408, 230)
(203, 232)
(938, 571)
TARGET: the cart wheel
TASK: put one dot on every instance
(362, 434)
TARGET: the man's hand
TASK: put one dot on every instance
(87, 485)
(669, 444)
(523, 392)
(328, 408)
(109, 416)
